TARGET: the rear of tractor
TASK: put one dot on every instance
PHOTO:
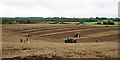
(77, 35)
(70, 41)
(27, 35)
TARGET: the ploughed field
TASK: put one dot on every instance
(47, 41)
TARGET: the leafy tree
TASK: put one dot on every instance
(61, 21)
(28, 21)
(81, 22)
(99, 23)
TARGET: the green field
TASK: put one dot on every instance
(89, 22)
(116, 23)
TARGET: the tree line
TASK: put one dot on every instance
(26, 20)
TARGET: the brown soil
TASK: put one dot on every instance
(47, 41)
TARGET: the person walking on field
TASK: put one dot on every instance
(21, 40)
(24, 41)
(27, 40)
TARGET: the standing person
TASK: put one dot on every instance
(24, 41)
(27, 40)
(21, 40)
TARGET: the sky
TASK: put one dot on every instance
(59, 8)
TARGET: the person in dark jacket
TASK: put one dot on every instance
(21, 40)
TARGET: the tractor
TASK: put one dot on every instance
(27, 35)
(70, 40)
(77, 35)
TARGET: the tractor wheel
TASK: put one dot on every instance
(65, 41)
(75, 41)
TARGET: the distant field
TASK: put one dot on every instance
(116, 23)
(90, 22)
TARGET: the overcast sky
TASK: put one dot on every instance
(59, 8)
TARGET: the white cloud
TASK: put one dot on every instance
(59, 8)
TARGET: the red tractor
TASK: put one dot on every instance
(77, 35)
